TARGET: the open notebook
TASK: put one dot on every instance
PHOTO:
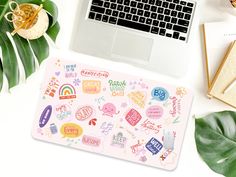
(111, 113)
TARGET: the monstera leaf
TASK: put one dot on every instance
(29, 51)
(215, 136)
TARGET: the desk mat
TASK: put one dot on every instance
(111, 113)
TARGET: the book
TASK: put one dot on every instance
(217, 37)
(223, 86)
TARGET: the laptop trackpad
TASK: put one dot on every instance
(127, 45)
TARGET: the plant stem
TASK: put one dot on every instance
(4, 10)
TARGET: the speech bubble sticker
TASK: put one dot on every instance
(71, 130)
(154, 112)
(154, 146)
(84, 113)
(159, 94)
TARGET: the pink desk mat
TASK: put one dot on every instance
(111, 113)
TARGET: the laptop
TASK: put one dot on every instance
(152, 34)
(104, 111)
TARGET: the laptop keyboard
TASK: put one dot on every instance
(169, 18)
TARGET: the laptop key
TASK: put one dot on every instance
(97, 2)
(173, 13)
(182, 38)
(122, 15)
(152, 2)
(172, 6)
(128, 16)
(107, 4)
(190, 4)
(140, 12)
(115, 13)
(187, 17)
(148, 21)
(98, 17)
(167, 19)
(135, 18)
(155, 23)
(154, 15)
(187, 9)
(180, 29)
(127, 2)
(174, 20)
(120, 1)
(120, 7)
(176, 35)
(165, 4)
(183, 22)
(113, 6)
(181, 15)
(142, 19)
(127, 9)
(91, 15)
(112, 20)
(162, 32)
(105, 18)
(160, 10)
(169, 26)
(162, 24)
(160, 17)
(158, 3)
(97, 9)
(108, 12)
(154, 30)
(168, 35)
(140, 5)
(133, 25)
(183, 3)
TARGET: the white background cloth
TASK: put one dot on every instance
(20, 155)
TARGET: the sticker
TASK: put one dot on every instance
(91, 86)
(52, 87)
(70, 71)
(117, 87)
(45, 116)
(154, 146)
(169, 139)
(63, 111)
(109, 109)
(76, 82)
(181, 91)
(149, 126)
(160, 94)
(71, 130)
(165, 154)
(53, 128)
(91, 141)
(133, 117)
(84, 113)
(154, 112)
(106, 128)
(93, 122)
(176, 106)
(138, 98)
(67, 91)
(119, 140)
(94, 73)
(136, 147)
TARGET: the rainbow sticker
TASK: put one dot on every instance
(67, 91)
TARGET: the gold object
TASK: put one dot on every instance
(233, 2)
(29, 20)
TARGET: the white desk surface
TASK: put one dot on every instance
(20, 155)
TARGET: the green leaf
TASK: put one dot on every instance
(1, 75)
(10, 65)
(215, 136)
(27, 50)
(26, 54)
(41, 48)
(53, 31)
(52, 10)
